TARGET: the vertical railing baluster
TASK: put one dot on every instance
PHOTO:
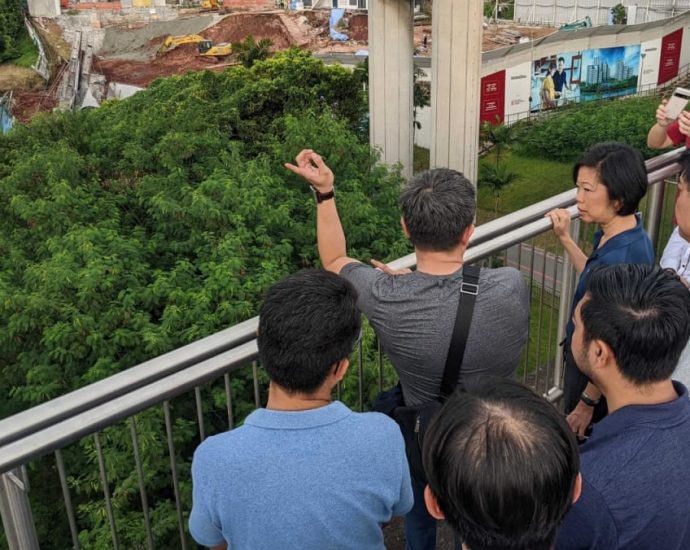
(15, 510)
(106, 491)
(360, 372)
(529, 324)
(567, 292)
(255, 376)
(199, 413)
(552, 345)
(379, 356)
(655, 203)
(228, 401)
(539, 321)
(173, 471)
(74, 532)
(142, 482)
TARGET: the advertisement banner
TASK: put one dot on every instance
(584, 76)
(492, 100)
(517, 91)
(649, 63)
(670, 56)
(555, 80)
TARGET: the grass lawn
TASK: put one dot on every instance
(537, 180)
(29, 53)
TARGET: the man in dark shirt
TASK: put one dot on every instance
(502, 466)
(560, 78)
(630, 329)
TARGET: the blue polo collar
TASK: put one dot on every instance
(298, 420)
(619, 241)
(663, 415)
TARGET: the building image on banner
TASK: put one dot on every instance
(584, 76)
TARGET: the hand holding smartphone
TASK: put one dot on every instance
(678, 101)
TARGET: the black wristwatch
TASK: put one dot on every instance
(587, 400)
(319, 197)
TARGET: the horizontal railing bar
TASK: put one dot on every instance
(663, 159)
(70, 404)
(106, 414)
(511, 238)
(489, 237)
(658, 169)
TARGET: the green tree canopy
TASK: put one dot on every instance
(138, 227)
(11, 25)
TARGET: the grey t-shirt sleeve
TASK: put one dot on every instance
(363, 278)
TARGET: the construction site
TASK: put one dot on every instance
(93, 52)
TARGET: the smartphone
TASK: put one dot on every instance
(677, 103)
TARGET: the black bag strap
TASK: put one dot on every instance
(463, 319)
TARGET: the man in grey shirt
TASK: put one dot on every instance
(413, 313)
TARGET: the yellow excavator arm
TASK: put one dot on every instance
(172, 42)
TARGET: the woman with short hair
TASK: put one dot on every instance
(611, 180)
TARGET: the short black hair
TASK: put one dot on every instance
(621, 169)
(438, 205)
(642, 313)
(502, 464)
(684, 173)
(308, 322)
(561, 59)
(552, 66)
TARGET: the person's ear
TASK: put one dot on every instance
(467, 235)
(404, 227)
(432, 504)
(577, 488)
(602, 353)
(340, 369)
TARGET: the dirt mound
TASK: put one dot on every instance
(124, 42)
(26, 104)
(141, 73)
(19, 78)
(358, 27)
(235, 28)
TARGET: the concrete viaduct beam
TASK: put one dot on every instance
(455, 85)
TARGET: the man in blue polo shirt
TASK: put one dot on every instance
(305, 472)
(630, 329)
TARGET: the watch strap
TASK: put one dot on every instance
(320, 197)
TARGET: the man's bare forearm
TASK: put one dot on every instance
(657, 137)
(330, 235)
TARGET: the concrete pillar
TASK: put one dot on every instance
(391, 49)
(455, 85)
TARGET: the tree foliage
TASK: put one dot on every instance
(250, 51)
(146, 224)
(11, 26)
(564, 135)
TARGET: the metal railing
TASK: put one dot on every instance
(86, 415)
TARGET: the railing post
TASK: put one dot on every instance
(655, 204)
(15, 511)
(567, 291)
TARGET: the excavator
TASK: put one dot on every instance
(206, 47)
